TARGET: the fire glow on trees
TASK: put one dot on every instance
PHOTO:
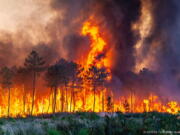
(98, 96)
(84, 97)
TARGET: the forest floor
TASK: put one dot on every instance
(82, 123)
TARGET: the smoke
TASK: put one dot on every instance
(161, 45)
(75, 46)
(59, 36)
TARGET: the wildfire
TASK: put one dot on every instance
(20, 102)
(83, 102)
(97, 54)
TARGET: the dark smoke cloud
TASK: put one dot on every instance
(120, 21)
(116, 17)
(48, 52)
(76, 46)
(164, 32)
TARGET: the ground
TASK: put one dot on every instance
(82, 123)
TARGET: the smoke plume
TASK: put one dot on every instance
(60, 37)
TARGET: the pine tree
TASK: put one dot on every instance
(35, 64)
(7, 81)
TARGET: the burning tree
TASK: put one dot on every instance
(64, 77)
(52, 79)
(60, 75)
(76, 80)
(22, 78)
(35, 64)
(96, 77)
(7, 81)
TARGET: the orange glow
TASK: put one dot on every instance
(84, 97)
(98, 45)
(83, 102)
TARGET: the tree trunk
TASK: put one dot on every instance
(72, 93)
(94, 98)
(34, 88)
(24, 100)
(49, 99)
(54, 103)
(131, 103)
(103, 100)
(74, 101)
(62, 100)
(9, 98)
(66, 101)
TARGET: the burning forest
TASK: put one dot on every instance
(92, 56)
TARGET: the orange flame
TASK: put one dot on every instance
(83, 102)
(20, 102)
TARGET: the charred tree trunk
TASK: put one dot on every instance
(74, 102)
(103, 97)
(131, 103)
(9, 99)
(62, 100)
(84, 99)
(103, 100)
(24, 100)
(33, 95)
(94, 89)
(54, 102)
(66, 97)
(50, 99)
(72, 95)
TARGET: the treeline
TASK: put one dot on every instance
(63, 74)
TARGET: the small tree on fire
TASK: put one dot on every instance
(35, 64)
(96, 77)
(7, 81)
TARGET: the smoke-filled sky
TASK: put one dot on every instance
(14, 12)
(52, 27)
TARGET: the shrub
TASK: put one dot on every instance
(54, 132)
(83, 131)
(113, 126)
(94, 116)
(2, 121)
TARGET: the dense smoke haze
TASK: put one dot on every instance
(54, 30)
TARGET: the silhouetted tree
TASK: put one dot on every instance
(96, 77)
(58, 75)
(126, 106)
(7, 81)
(52, 78)
(76, 80)
(35, 64)
(64, 76)
(109, 104)
(22, 78)
(103, 75)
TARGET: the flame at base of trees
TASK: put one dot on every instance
(71, 87)
(82, 101)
